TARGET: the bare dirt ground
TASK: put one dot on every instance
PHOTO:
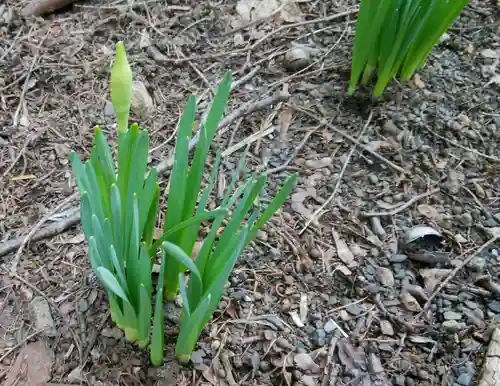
(355, 297)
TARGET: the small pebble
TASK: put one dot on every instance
(330, 326)
(113, 332)
(464, 379)
(373, 179)
(451, 315)
(386, 328)
(82, 305)
(398, 258)
(466, 219)
(452, 326)
(477, 264)
(494, 306)
(262, 235)
(43, 317)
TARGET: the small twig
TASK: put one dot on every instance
(262, 39)
(26, 82)
(166, 142)
(456, 144)
(45, 233)
(17, 257)
(329, 366)
(245, 78)
(198, 72)
(10, 350)
(353, 140)
(14, 42)
(315, 216)
(135, 5)
(247, 141)
(453, 273)
(295, 152)
(249, 108)
(401, 207)
(90, 345)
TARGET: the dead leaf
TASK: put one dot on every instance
(296, 319)
(409, 302)
(420, 339)
(350, 356)
(343, 251)
(78, 239)
(210, 376)
(285, 119)
(251, 10)
(429, 211)
(32, 366)
(418, 81)
(303, 307)
(301, 195)
(432, 277)
(305, 363)
(290, 11)
(385, 276)
(319, 163)
(419, 232)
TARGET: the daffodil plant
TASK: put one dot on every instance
(119, 210)
(219, 251)
(395, 37)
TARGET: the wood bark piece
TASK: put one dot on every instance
(490, 375)
(44, 7)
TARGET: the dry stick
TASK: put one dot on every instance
(119, 7)
(198, 72)
(488, 157)
(10, 350)
(14, 42)
(43, 7)
(317, 213)
(353, 140)
(262, 39)
(402, 206)
(158, 57)
(27, 81)
(245, 78)
(329, 361)
(294, 154)
(17, 257)
(56, 309)
(162, 167)
(247, 141)
(455, 271)
(45, 233)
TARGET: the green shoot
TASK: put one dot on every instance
(395, 37)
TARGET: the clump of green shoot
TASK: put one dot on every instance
(118, 213)
(219, 251)
(119, 209)
(241, 216)
(395, 38)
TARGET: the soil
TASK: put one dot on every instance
(362, 294)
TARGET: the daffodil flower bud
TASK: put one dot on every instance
(121, 87)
